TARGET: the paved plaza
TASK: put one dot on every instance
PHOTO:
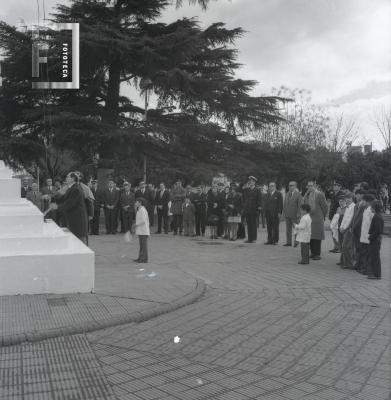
(264, 328)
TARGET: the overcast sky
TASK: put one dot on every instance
(338, 49)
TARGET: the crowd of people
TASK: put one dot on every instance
(228, 211)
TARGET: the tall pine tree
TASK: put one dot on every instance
(190, 72)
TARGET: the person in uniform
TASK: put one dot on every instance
(252, 203)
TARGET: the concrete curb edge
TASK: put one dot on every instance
(90, 326)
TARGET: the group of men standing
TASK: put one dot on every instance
(192, 209)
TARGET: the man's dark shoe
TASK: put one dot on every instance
(338, 263)
(302, 262)
(269, 243)
(334, 251)
(316, 258)
(373, 277)
(137, 260)
(287, 244)
(249, 241)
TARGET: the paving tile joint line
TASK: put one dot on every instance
(90, 326)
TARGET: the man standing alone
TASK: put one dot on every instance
(292, 203)
(273, 211)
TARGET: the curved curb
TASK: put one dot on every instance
(90, 326)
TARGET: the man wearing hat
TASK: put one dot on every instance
(334, 204)
(252, 203)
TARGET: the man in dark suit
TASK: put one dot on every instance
(127, 201)
(72, 205)
(252, 204)
(162, 199)
(148, 195)
(111, 202)
(292, 203)
(199, 199)
(25, 188)
(98, 203)
(273, 211)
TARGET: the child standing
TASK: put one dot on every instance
(303, 233)
(188, 217)
(142, 230)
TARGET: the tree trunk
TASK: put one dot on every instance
(112, 99)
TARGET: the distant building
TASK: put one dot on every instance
(366, 149)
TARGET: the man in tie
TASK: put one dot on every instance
(162, 199)
(110, 202)
(273, 211)
(292, 203)
(127, 201)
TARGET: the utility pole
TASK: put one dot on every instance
(144, 85)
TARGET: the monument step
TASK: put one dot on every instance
(26, 244)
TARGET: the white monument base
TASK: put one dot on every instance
(65, 271)
(38, 257)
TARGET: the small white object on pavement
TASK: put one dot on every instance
(151, 275)
(177, 339)
(128, 237)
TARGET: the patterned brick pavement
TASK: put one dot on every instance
(122, 289)
(267, 328)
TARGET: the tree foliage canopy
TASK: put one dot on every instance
(125, 50)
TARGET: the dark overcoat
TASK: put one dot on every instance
(73, 206)
(318, 215)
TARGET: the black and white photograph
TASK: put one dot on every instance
(195, 200)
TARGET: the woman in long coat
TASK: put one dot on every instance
(317, 201)
(73, 206)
